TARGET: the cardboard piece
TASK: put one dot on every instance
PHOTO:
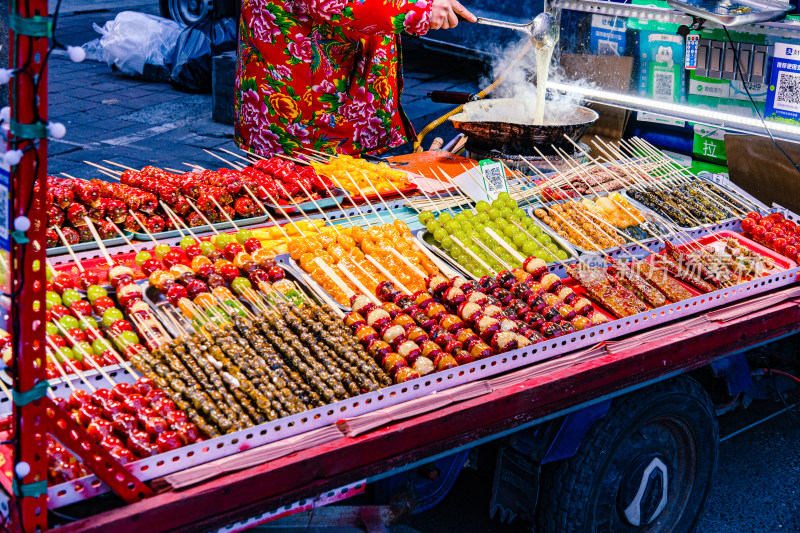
(758, 167)
(612, 73)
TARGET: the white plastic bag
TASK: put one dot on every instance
(133, 39)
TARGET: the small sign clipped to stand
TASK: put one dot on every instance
(483, 183)
(494, 178)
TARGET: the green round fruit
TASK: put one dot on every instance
(70, 296)
(447, 243)
(239, 285)
(51, 329)
(126, 338)
(530, 248)
(511, 231)
(450, 226)
(81, 350)
(482, 218)
(553, 247)
(440, 234)
(68, 322)
(51, 299)
(505, 197)
(546, 256)
(100, 345)
(141, 257)
(493, 213)
(87, 322)
(222, 240)
(96, 291)
(111, 315)
(186, 241)
(425, 217)
(561, 254)
(206, 247)
(63, 353)
(505, 213)
(48, 273)
(520, 239)
(544, 239)
(445, 217)
(243, 234)
(519, 213)
(161, 250)
(482, 206)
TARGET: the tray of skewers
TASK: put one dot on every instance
(356, 256)
(688, 202)
(70, 201)
(598, 223)
(463, 238)
(363, 180)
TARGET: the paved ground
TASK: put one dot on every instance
(109, 116)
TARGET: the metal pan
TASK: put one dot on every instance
(626, 194)
(220, 226)
(576, 250)
(485, 123)
(309, 206)
(90, 245)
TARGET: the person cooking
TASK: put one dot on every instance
(327, 74)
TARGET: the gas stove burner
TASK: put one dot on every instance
(517, 162)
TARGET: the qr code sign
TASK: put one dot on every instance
(663, 85)
(495, 177)
(787, 92)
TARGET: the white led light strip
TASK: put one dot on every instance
(694, 114)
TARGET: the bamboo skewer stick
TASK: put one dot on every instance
(118, 165)
(208, 222)
(71, 365)
(635, 184)
(54, 359)
(99, 241)
(104, 169)
(698, 183)
(90, 359)
(469, 252)
(229, 163)
(69, 248)
(144, 229)
(357, 282)
(388, 275)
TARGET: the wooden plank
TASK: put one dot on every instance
(247, 493)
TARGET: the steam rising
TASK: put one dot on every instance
(520, 83)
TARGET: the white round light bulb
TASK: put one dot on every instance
(12, 157)
(22, 224)
(56, 130)
(22, 469)
(76, 53)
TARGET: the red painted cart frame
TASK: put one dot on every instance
(621, 368)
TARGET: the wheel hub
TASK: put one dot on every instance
(644, 490)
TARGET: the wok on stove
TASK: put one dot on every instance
(501, 124)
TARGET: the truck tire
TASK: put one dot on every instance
(188, 12)
(647, 466)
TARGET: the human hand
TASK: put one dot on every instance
(445, 13)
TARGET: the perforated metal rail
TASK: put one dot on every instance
(195, 454)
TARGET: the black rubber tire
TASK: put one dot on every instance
(188, 12)
(589, 491)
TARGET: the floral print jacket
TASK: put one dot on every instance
(324, 74)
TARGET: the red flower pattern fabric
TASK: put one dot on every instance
(323, 74)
